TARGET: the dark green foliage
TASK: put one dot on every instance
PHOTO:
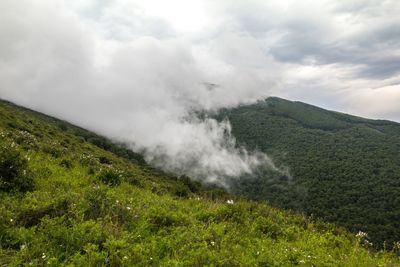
(66, 163)
(110, 177)
(104, 160)
(53, 150)
(193, 186)
(14, 174)
(344, 169)
(160, 219)
(33, 216)
(181, 191)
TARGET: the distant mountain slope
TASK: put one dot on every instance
(344, 169)
(69, 197)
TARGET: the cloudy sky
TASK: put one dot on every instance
(135, 70)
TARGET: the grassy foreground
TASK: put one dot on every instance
(71, 198)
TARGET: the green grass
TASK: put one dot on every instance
(94, 207)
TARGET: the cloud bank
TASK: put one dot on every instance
(137, 71)
(142, 91)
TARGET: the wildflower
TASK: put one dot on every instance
(43, 255)
(11, 220)
(212, 243)
(128, 208)
(258, 253)
(23, 247)
(368, 243)
(125, 257)
(361, 234)
(229, 201)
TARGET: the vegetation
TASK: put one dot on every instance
(92, 207)
(343, 169)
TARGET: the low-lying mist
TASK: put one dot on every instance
(143, 91)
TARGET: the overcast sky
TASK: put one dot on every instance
(135, 70)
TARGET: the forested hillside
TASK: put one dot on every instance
(69, 197)
(343, 168)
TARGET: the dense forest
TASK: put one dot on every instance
(69, 197)
(341, 168)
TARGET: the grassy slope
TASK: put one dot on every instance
(345, 169)
(72, 218)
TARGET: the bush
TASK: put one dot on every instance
(66, 163)
(52, 150)
(181, 190)
(104, 160)
(14, 175)
(110, 177)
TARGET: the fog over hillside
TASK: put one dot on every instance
(136, 71)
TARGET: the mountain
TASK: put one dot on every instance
(342, 169)
(69, 197)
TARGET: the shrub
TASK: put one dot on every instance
(181, 190)
(66, 163)
(104, 160)
(52, 150)
(110, 177)
(14, 175)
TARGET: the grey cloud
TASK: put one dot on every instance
(351, 32)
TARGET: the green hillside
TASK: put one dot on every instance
(69, 197)
(343, 168)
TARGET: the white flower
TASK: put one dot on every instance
(128, 208)
(125, 257)
(361, 234)
(229, 201)
(212, 243)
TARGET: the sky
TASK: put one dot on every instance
(136, 71)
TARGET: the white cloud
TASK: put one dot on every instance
(141, 90)
(136, 70)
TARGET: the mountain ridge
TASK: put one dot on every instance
(69, 202)
(345, 169)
